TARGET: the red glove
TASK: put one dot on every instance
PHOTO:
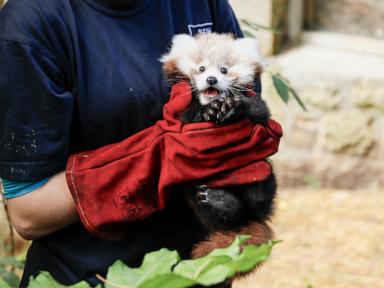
(130, 180)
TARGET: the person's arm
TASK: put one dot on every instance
(43, 211)
(36, 106)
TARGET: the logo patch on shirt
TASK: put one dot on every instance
(200, 28)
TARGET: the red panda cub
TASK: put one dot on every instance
(221, 70)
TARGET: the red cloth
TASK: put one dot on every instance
(130, 180)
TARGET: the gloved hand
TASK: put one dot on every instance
(130, 180)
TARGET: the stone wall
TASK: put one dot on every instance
(339, 142)
(362, 17)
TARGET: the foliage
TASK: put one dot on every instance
(249, 26)
(285, 90)
(282, 86)
(10, 267)
(8, 275)
(163, 268)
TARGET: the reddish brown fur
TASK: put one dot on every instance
(172, 71)
(260, 233)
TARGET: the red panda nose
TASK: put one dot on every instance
(211, 80)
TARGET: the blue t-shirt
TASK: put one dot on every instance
(80, 74)
(13, 189)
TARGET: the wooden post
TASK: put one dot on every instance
(268, 13)
(279, 22)
(285, 16)
(295, 19)
(310, 14)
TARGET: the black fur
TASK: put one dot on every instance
(232, 207)
(230, 109)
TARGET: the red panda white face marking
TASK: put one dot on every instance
(214, 63)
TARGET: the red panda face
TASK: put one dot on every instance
(215, 64)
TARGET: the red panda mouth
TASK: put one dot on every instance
(211, 92)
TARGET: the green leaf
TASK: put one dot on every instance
(168, 280)
(221, 264)
(191, 268)
(281, 88)
(154, 264)
(213, 268)
(45, 280)
(11, 278)
(11, 261)
(156, 269)
(301, 103)
(121, 274)
(203, 270)
(256, 26)
(248, 33)
(233, 249)
(216, 272)
(251, 256)
(2, 270)
(284, 89)
(4, 284)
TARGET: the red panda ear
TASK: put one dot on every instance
(248, 47)
(249, 50)
(183, 45)
(177, 62)
(172, 71)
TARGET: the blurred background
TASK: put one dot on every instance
(330, 165)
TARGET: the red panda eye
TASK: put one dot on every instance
(201, 68)
(224, 70)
